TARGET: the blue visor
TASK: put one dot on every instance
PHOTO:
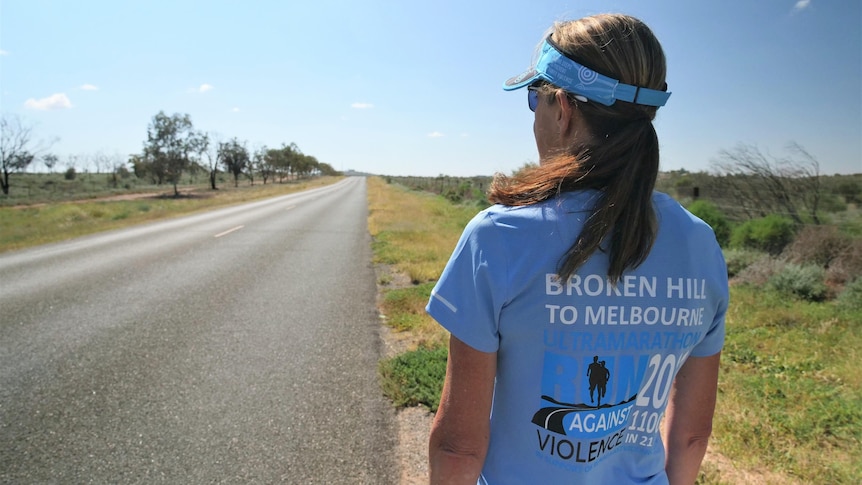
(554, 67)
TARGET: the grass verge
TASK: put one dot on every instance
(789, 391)
(413, 235)
(25, 226)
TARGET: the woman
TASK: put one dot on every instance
(584, 308)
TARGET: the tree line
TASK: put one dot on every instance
(173, 147)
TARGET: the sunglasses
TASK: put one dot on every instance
(532, 98)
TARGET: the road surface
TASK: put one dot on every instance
(236, 346)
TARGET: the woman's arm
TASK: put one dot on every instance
(461, 429)
(688, 421)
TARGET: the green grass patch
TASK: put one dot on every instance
(415, 377)
(404, 308)
(789, 391)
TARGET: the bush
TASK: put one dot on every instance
(771, 234)
(818, 245)
(415, 378)
(453, 195)
(70, 174)
(761, 270)
(851, 191)
(847, 265)
(803, 281)
(851, 297)
(739, 259)
(832, 203)
(710, 214)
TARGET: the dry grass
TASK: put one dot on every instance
(414, 233)
(26, 226)
(414, 230)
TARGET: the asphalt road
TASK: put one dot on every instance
(236, 346)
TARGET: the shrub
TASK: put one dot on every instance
(847, 265)
(851, 297)
(771, 234)
(453, 195)
(70, 174)
(761, 270)
(818, 245)
(711, 214)
(803, 281)
(851, 191)
(415, 378)
(739, 259)
(832, 203)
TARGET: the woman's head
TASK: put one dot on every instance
(599, 82)
(611, 70)
(617, 46)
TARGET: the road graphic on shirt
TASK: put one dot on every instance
(558, 417)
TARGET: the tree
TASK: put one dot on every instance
(198, 143)
(305, 165)
(752, 184)
(234, 156)
(262, 163)
(142, 167)
(209, 149)
(50, 160)
(171, 142)
(326, 169)
(117, 169)
(281, 160)
(17, 149)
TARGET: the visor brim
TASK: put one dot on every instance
(522, 80)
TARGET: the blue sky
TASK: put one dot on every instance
(414, 88)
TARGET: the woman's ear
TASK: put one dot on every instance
(564, 113)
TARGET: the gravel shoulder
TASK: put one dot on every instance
(413, 423)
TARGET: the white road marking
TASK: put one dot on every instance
(237, 228)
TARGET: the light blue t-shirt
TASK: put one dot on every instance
(584, 368)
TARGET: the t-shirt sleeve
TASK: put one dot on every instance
(713, 342)
(468, 297)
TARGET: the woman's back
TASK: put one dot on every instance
(584, 367)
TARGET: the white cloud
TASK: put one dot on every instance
(4, 53)
(435, 134)
(89, 87)
(801, 5)
(54, 101)
(465, 135)
(362, 105)
(235, 110)
(205, 87)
